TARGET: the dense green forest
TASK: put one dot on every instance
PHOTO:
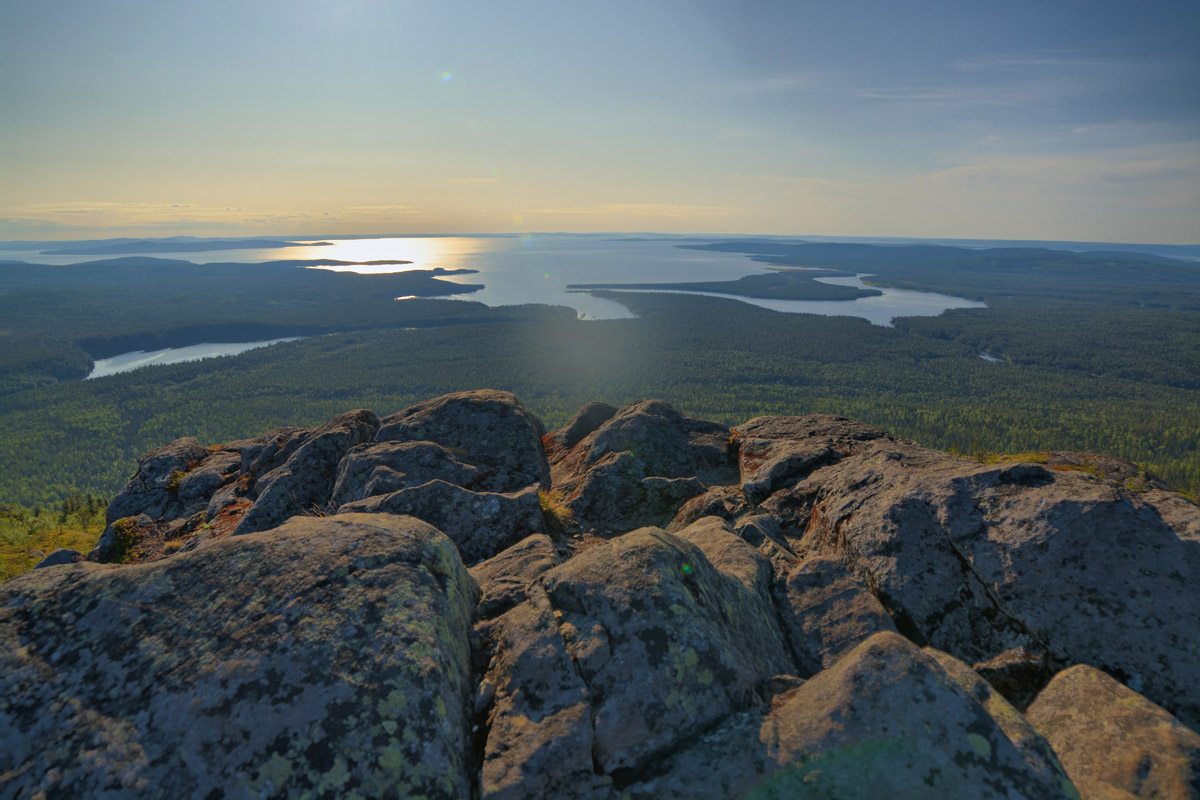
(1112, 369)
(55, 319)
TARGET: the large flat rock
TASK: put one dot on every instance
(321, 658)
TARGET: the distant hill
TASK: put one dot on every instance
(152, 246)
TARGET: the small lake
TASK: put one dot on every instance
(174, 355)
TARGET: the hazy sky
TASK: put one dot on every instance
(1054, 119)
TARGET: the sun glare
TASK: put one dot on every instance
(423, 252)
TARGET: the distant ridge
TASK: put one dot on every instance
(153, 246)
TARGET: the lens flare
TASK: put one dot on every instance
(526, 239)
(447, 76)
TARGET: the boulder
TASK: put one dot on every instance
(665, 643)
(199, 484)
(487, 428)
(153, 490)
(664, 442)
(539, 728)
(586, 420)
(827, 611)
(886, 721)
(504, 577)
(305, 481)
(617, 495)
(481, 524)
(977, 560)
(321, 658)
(63, 555)
(375, 469)
(1114, 742)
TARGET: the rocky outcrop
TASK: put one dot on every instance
(325, 657)
(452, 602)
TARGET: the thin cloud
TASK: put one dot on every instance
(643, 210)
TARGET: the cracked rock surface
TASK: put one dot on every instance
(656, 606)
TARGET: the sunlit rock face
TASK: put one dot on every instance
(452, 602)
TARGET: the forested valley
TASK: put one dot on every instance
(1107, 365)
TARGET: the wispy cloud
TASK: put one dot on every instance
(471, 180)
(643, 210)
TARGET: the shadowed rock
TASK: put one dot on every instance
(977, 560)
(886, 721)
(377, 469)
(503, 578)
(306, 479)
(827, 611)
(481, 524)
(318, 656)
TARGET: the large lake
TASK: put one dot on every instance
(538, 268)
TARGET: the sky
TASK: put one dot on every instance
(1054, 119)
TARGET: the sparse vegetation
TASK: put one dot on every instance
(558, 516)
(27, 535)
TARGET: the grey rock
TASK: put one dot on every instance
(490, 428)
(197, 487)
(319, 656)
(149, 491)
(586, 420)
(481, 524)
(980, 559)
(886, 721)
(539, 741)
(665, 642)
(504, 578)
(62, 555)
(827, 612)
(375, 469)
(616, 494)
(305, 481)
(1114, 742)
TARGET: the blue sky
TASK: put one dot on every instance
(1057, 119)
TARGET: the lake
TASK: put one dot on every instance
(173, 355)
(536, 268)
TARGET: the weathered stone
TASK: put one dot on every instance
(539, 741)
(153, 488)
(616, 494)
(1018, 674)
(978, 559)
(214, 471)
(325, 656)
(726, 551)
(886, 721)
(768, 465)
(481, 524)
(1113, 742)
(503, 578)
(666, 443)
(1037, 752)
(844, 436)
(63, 555)
(491, 429)
(262, 454)
(305, 481)
(827, 612)
(374, 469)
(762, 531)
(665, 643)
(726, 502)
(586, 420)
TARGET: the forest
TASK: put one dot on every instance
(1098, 352)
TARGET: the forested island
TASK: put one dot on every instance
(1098, 352)
(778, 284)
